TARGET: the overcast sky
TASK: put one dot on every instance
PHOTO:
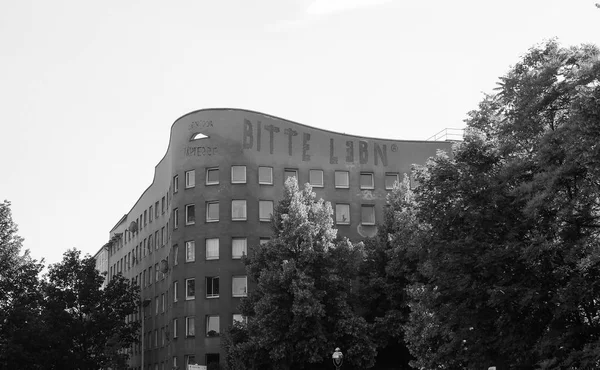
(89, 89)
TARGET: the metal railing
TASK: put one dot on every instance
(448, 134)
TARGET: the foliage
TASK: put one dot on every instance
(511, 258)
(300, 310)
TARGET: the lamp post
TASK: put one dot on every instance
(338, 358)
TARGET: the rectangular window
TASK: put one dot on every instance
(212, 287)
(175, 183)
(290, 173)
(212, 249)
(212, 325)
(342, 214)
(163, 204)
(175, 362)
(175, 291)
(190, 289)
(265, 210)
(157, 304)
(238, 174)
(342, 179)
(190, 359)
(145, 217)
(265, 175)
(156, 210)
(315, 178)
(190, 251)
(212, 176)
(367, 181)
(414, 183)
(190, 324)
(156, 240)
(162, 236)
(212, 211)
(175, 218)
(239, 318)
(238, 210)
(151, 213)
(175, 322)
(367, 214)
(390, 180)
(156, 273)
(175, 255)
(239, 286)
(162, 303)
(238, 247)
(144, 278)
(190, 214)
(150, 275)
(190, 179)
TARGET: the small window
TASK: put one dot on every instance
(145, 217)
(239, 318)
(157, 305)
(342, 214)
(190, 359)
(366, 181)
(238, 247)
(265, 175)
(190, 289)
(190, 214)
(162, 303)
(175, 326)
(265, 210)
(239, 286)
(162, 236)
(238, 210)
(190, 251)
(212, 287)
(175, 183)
(156, 273)
(190, 324)
(238, 174)
(151, 213)
(367, 214)
(212, 211)
(175, 291)
(414, 183)
(212, 249)
(163, 204)
(290, 173)
(390, 180)
(315, 178)
(156, 210)
(212, 325)
(212, 176)
(175, 255)
(342, 179)
(156, 240)
(175, 218)
(190, 179)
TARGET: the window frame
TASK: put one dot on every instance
(218, 332)
(245, 217)
(212, 258)
(208, 206)
(260, 216)
(175, 291)
(286, 170)
(245, 251)
(367, 187)
(187, 221)
(233, 279)
(396, 175)
(367, 206)
(189, 297)
(262, 182)
(335, 179)
(208, 171)
(191, 243)
(212, 286)
(238, 181)
(190, 179)
(310, 178)
(175, 184)
(175, 325)
(188, 326)
(175, 218)
(337, 222)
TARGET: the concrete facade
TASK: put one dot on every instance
(212, 148)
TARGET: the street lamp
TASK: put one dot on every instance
(337, 358)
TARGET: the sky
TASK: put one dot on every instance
(90, 89)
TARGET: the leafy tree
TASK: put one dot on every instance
(87, 326)
(20, 298)
(511, 255)
(300, 310)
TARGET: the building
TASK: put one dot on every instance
(211, 199)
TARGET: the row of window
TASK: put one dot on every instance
(265, 177)
(239, 248)
(239, 287)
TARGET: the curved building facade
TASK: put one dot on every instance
(211, 200)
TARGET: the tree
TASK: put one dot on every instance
(20, 298)
(300, 309)
(511, 256)
(87, 326)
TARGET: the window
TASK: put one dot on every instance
(390, 180)
(238, 247)
(366, 181)
(175, 291)
(162, 205)
(190, 179)
(342, 214)
(190, 329)
(175, 362)
(144, 278)
(156, 273)
(156, 240)
(175, 183)
(162, 303)
(367, 214)
(315, 178)
(265, 210)
(175, 255)
(162, 236)
(156, 210)
(190, 289)
(238, 210)
(157, 304)
(290, 173)
(175, 328)
(265, 175)
(414, 183)
(190, 214)
(237, 317)
(175, 218)
(190, 251)
(151, 213)
(212, 176)
(212, 325)
(150, 275)
(238, 174)
(212, 211)
(212, 249)
(145, 217)
(212, 287)
(342, 179)
(239, 286)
